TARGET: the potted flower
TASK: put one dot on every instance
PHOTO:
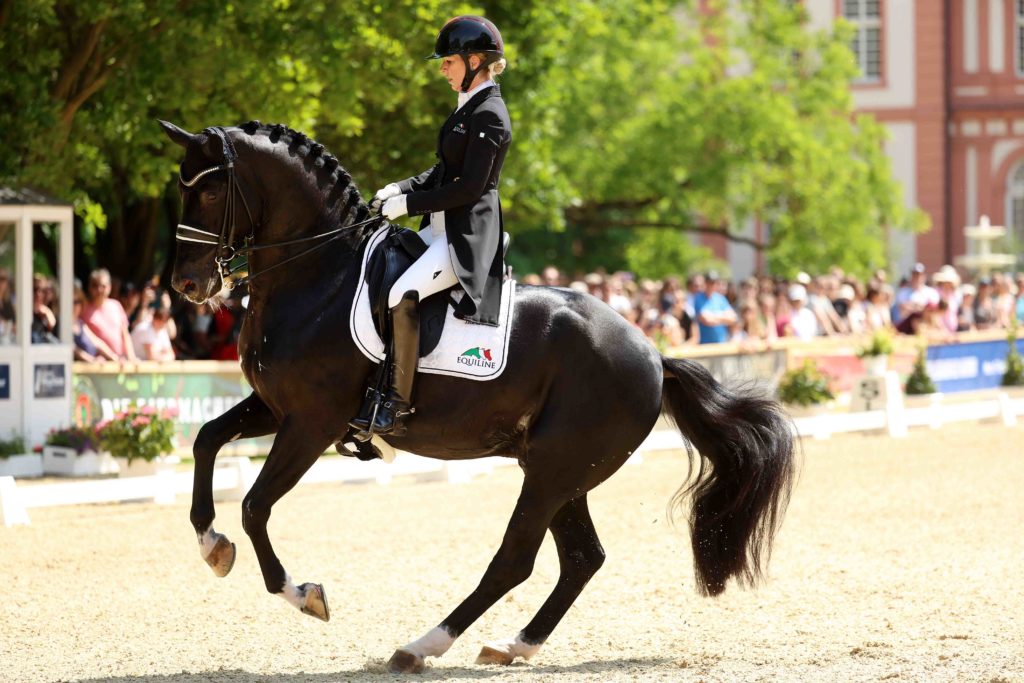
(75, 452)
(920, 382)
(875, 353)
(18, 461)
(805, 387)
(1014, 375)
(139, 439)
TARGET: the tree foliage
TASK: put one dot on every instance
(634, 122)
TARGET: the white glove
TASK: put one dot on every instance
(387, 192)
(394, 207)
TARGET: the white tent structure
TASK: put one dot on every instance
(35, 379)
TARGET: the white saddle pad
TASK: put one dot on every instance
(476, 352)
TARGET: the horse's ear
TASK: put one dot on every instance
(182, 137)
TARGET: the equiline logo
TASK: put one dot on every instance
(477, 357)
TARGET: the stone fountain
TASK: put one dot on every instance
(979, 257)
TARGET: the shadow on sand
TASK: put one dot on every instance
(377, 671)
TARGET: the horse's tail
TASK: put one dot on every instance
(744, 474)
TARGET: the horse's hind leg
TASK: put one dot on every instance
(512, 565)
(247, 419)
(295, 449)
(580, 555)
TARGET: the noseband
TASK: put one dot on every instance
(225, 241)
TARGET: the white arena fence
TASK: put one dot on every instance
(233, 476)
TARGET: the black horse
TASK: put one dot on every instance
(581, 391)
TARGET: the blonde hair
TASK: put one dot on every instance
(494, 68)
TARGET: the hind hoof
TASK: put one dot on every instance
(222, 558)
(403, 662)
(489, 655)
(316, 601)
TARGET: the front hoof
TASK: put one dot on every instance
(490, 655)
(403, 662)
(222, 558)
(316, 601)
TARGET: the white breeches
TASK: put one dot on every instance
(430, 273)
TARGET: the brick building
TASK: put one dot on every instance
(946, 77)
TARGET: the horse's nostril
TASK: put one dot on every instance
(188, 287)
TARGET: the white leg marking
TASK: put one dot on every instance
(292, 594)
(434, 644)
(207, 541)
(516, 647)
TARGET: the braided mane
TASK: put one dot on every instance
(352, 207)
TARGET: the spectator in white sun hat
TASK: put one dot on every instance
(946, 281)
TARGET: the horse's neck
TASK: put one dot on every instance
(317, 268)
(315, 277)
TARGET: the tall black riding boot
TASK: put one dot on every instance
(405, 351)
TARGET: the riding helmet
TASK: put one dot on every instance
(466, 34)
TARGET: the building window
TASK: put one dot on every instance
(866, 17)
(1015, 206)
(1019, 4)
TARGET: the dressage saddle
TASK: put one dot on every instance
(392, 257)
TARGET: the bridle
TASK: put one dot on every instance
(224, 241)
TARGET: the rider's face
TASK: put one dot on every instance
(454, 69)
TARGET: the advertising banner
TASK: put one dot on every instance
(765, 367)
(966, 367)
(197, 397)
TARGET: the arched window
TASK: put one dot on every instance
(1015, 206)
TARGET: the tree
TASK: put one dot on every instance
(634, 122)
(709, 120)
(87, 80)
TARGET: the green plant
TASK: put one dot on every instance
(81, 439)
(138, 433)
(919, 382)
(880, 344)
(13, 446)
(805, 386)
(1014, 375)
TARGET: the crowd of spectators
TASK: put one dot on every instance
(707, 309)
(120, 321)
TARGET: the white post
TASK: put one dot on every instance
(12, 510)
(895, 415)
(1006, 410)
(163, 485)
(23, 315)
(65, 268)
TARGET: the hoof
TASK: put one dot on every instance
(316, 601)
(222, 558)
(403, 662)
(489, 655)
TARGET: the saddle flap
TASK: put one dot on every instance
(387, 263)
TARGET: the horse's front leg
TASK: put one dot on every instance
(296, 448)
(247, 419)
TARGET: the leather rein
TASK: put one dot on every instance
(225, 240)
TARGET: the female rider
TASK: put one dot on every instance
(458, 199)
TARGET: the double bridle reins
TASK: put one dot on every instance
(225, 240)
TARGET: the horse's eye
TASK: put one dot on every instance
(209, 196)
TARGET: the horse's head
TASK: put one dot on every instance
(277, 189)
(214, 211)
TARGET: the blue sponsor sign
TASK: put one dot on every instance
(966, 367)
(5, 381)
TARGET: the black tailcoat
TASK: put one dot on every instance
(464, 185)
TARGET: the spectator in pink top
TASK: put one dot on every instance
(106, 318)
